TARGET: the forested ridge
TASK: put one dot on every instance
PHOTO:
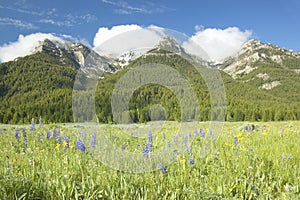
(39, 85)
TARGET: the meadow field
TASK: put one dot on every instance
(258, 160)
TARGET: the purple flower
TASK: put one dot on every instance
(164, 135)
(145, 151)
(188, 150)
(191, 161)
(162, 168)
(235, 139)
(196, 133)
(55, 133)
(67, 142)
(168, 144)
(217, 153)
(59, 139)
(253, 187)
(48, 134)
(32, 124)
(80, 146)
(138, 146)
(290, 156)
(123, 147)
(283, 158)
(175, 138)
(17, 134)
(93, 140)
(202, 132)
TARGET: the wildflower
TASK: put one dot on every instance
(188, 150)
(42, 150)
(32, 124)
(145, 151)
(191, 161)
(185, 138)
(253, 187)
(235, 139)
(59, 139)
(138, 146)
(283, 158)
(164, 135)
(190, 135)
(66, 142)
(93, 140)
(162, 168)
(202, 132)
(17, 134)
(237, 152)
(290, 156)
(48, 135)
(55, 134)
(123, 147)
(57, 146)
(150, 140)
(168, 144)
(175, 139)
(80, 146)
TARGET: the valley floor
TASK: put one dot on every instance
(241, 160)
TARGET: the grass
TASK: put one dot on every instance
(259, 164)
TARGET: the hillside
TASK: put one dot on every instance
(262, 83)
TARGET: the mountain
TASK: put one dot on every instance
(262, 82)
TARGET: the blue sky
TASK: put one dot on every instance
(274, 21)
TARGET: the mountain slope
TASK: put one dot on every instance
(261, 82)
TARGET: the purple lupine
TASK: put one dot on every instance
(93, 140)
(17, 134)
(196, 134)
(185, 139)
(202, 132)
(150, 140)
(67, 142)
(191, 161)
(48, 134)
(59, 139)
(32, 124)
(168, 144)
(189, 150)
(162, 168)
(80, 145)
(145, 151)
(123, 147)
(55, 134)
(235, 139)
(175, 138)
(138, 146)
(164, 135)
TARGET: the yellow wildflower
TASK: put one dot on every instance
(57, 146)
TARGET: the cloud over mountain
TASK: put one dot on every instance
(217, 43)
(25, 45)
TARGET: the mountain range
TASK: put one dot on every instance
(262, 83)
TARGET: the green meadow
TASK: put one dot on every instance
(243, 162)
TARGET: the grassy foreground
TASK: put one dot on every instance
(52, 162)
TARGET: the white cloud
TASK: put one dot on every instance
(25, 45)
(123, 38)
(217, 43)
